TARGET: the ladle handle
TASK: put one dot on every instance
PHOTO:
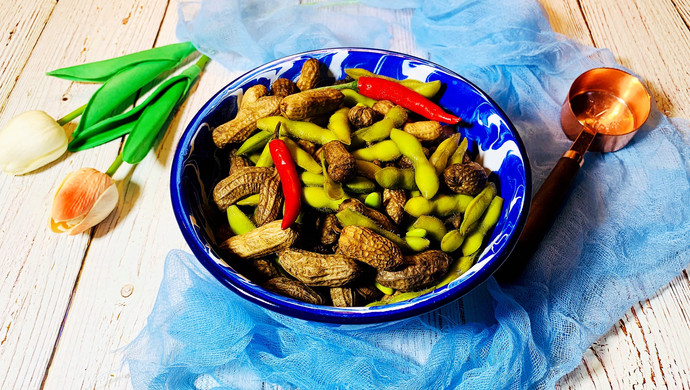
(545, 206)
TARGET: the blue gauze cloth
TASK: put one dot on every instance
(622, 234)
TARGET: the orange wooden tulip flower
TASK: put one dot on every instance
(83, 200)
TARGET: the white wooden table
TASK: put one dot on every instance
(67, 304)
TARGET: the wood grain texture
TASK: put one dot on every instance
(125, 260)
(40, 269)
(644, 349)
(20, 28)
(69, 304)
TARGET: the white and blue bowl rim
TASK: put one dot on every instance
(198, 165)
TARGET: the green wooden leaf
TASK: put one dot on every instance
(101, 71)
(155, 118)
(170, 93)
(117, 90)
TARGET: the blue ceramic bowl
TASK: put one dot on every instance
(198, 165)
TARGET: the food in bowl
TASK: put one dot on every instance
(390, 204)
(198, 165)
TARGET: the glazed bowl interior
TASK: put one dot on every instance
(198, 165)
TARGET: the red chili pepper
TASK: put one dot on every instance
(289, 180)
(382, 89)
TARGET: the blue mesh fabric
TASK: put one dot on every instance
(622, 234)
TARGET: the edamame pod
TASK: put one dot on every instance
(265, 159)
(352, 98)
(440, 206)
(395, 117)
(477, 206)
(434, 227)
(384, 151)
(394, 178)
(299, 129)
(367, 169)
(339, 124)
(452, 241)
(425, 173)
(316, 198)
(459, 153)
(474, 240)
(417, 244)
(350, 217)
(459, 267)
(251, 200)
(373, 200)
(254, 143)
(302, 159)
(439, 159)
(239, 222)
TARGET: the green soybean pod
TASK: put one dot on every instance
(384, 289)
(459, 267)
(251, 200)
(265, 159)
(298, 129)
(416, 232)
(254, 143)
(352, 98)
(374, 200)
(439, 159)
(316, 198)
(302, 159)
(459, 153)
(384, 151)
(475, 239)
(441, 205)
(434, 227)
(428, 89)
(367, 169)
(380, 130)
(477, 207)
(311, 179)
(349, 217)
(401, 297)
(359, 185)
(425, 174)
(417, 244)
(452, 241)
(395, 178)
(339, 124)
(238, 221)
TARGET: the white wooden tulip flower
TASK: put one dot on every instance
(29, 141)
(83, 200)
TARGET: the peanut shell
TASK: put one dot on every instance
(263, 240)
(309, 75)
(364, 245)
(341, 164)
(422, 270)
(311, 103)
(241, 127)
(315, 269)
(294, 289)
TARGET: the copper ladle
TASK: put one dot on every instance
(604, 109)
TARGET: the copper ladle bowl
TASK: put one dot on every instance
(602, 112)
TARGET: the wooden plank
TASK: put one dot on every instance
(20, 27)
(119, 282)
(40, 268)
(651, 38)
